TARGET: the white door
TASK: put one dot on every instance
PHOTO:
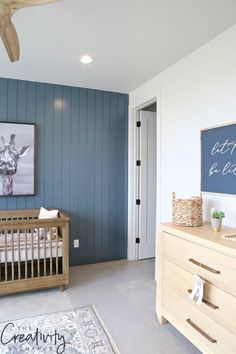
(147, 185)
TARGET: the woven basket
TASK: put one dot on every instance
(187, 212)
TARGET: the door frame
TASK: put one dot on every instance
(132, 175)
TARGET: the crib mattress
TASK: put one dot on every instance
(27, 247)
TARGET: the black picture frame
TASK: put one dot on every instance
(17, 159)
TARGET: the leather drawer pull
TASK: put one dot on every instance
(201, 265)
(206, 302)
(199, 330)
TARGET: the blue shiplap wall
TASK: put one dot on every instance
(81, 161)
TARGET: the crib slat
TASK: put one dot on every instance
(6, 275)
(65, 261)
(32, 254)
(26, 262)
(45, 265)
(38, 253)
(19, 260)
(50, 251)
(57, 252)
(0, 261)
(12, 257)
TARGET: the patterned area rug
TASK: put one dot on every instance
(77, 331)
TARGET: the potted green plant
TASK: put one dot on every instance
(216, 219)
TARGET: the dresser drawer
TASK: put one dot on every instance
(208, 335)
(218, 304)
(214, 267)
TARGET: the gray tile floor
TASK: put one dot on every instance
(124, 294)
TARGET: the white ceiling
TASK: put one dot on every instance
(130, 40)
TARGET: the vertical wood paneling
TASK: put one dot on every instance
(40, 140)
(121, 164)
(57, 147)
(48, 145)
(105, 170)
(30, 118)
(82, 176)
(113, 176)
(98, 172)
(12, 107)
(125, 175)
(21, 117)
(90, 213)
(66, 143)
(81, 161)
(74, 212)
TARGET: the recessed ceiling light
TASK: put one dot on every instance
(86, 59)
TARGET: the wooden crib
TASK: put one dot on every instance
(33, 252)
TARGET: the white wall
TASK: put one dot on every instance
(195, 93)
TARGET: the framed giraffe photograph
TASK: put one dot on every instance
(17, 159)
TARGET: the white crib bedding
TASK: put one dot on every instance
(28, 246)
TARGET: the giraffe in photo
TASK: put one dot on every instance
(9, 157)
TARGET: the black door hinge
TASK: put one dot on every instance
(139, 124)
(138, 162)
(137, 239)
(138, 201)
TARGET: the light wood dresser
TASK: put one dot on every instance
(183, 252)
